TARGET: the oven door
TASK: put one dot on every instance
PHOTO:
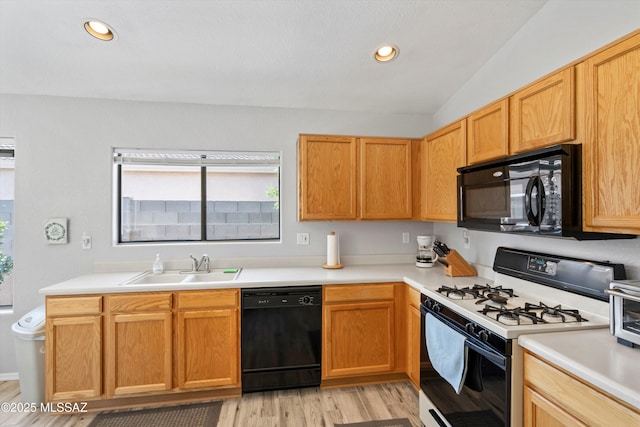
(625, 312)
(485, 398)
(505, 198)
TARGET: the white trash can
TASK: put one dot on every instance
(29, 331)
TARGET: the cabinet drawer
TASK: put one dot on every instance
(346, 293)
(208, 299)
(140, 302)
(413, 297)
(69, 306)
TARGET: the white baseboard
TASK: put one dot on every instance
(9, 376)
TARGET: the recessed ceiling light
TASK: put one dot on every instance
(99, 29)
(386, 53)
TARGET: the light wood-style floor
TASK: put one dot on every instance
(309, 407)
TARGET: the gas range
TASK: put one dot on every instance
(480, 324)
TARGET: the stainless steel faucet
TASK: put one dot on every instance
(202, 265)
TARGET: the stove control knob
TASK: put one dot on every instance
(483, 335)
(469, 328)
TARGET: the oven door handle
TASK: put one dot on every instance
(472, 342)
(617, 292)
(493, 356)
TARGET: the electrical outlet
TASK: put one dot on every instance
(405, 237)
(303, 238)
(467, 239)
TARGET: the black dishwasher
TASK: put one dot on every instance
(281, 337)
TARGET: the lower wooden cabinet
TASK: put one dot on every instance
(208, 339)
(138, 343)
(361, 330)
(73, 348)
(158, 342)
(553, 397)
(414, 336)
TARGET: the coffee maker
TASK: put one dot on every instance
(426, 256)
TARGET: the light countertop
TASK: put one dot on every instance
(420, 278)
(593, 355)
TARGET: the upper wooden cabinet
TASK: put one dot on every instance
(327, 173)
(349, 178)
(385, 178)
(543, 113)
(611, 149)
(488, 132)
(443, 155)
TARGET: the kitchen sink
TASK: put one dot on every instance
(215, 275)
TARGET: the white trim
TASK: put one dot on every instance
(9, 376)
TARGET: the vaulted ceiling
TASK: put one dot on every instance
(315, 54)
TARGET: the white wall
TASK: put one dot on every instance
(561, 32)
(63, 168)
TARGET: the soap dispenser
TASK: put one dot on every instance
(158, 268)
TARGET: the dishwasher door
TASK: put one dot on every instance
(281, 338)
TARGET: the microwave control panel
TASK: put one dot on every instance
(543, 265)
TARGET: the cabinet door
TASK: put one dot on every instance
(358, 339)
(73, 358)
(445, 153)
(138, 354)
(488, 136)
(561, 396)
(543, 113)
(612, 139)
(327, 178)
(385, 178)
(413, 345)
(208, 348)
(540, 412)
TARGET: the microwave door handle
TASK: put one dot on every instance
(617, 292)
(461, 204)
(534, 182)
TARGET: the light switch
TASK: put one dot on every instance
(86, 241)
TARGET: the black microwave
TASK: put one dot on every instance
(538, 192)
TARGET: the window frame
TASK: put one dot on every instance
(118, 231)
(8, 150)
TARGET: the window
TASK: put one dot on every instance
(7, 220)
(197, 196)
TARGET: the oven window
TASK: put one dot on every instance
(631, 316)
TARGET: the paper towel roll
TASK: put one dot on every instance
(333, 254)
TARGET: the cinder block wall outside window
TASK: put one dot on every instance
(180, 220)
